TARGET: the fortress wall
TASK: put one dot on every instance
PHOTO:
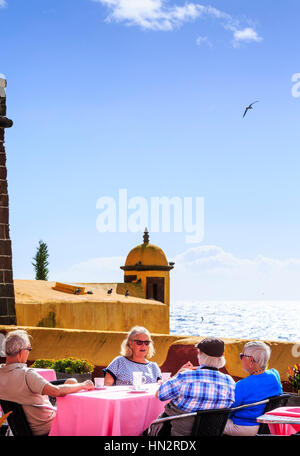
(98, 347)
(172, 351)
(91, 315)
(283, 354)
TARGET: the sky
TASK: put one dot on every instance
(146, 98)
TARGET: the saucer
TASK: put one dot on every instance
(138, 391)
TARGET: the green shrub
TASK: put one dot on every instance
(67, 365)
(43, 363)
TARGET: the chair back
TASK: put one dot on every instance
(206, 423)
(274, 402)
(277, 401)
(17, 419)
(210, 423)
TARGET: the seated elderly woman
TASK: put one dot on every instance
(259, 385)
(197, 388)
(136, 349)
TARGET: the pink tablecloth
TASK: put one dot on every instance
(284, 428)
(48, 374)
(114, 411)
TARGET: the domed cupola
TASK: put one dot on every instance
(148, 263)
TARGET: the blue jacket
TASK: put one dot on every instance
(253, 389)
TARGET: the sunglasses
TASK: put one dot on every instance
(26, 348)
(141, 342)
(245, 356)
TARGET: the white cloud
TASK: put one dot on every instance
(3, 3)
(98, 270)
(161, 15)
(206, 272)
(203, 40)
(248, 34)
(210, 273)
(151, 14)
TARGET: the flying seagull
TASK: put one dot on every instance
(249, 107)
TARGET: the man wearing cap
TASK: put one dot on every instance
(198, 388)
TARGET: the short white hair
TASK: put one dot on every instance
(15, 341)
(211, 361)
(259, 351)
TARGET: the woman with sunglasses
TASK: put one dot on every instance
(260, 384)
(136, 350)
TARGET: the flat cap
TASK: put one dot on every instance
(211, 346)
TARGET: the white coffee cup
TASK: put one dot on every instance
(99, 382)
(138, 379)
(165, 375)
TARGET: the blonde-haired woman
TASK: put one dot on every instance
(136, 350)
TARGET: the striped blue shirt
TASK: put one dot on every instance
(122, 368)
(198, 389)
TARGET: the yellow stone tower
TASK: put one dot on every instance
(147, 263)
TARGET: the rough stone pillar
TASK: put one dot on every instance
(7, 295)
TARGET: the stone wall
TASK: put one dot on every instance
(171, 350)
(283, 354)
(7, 298)
(98, 347)
(39, 303)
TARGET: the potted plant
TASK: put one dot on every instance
(294, 381)
(43, 363)
(80, 369)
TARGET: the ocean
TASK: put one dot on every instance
(261, 320)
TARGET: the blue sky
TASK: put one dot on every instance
(148, 96)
